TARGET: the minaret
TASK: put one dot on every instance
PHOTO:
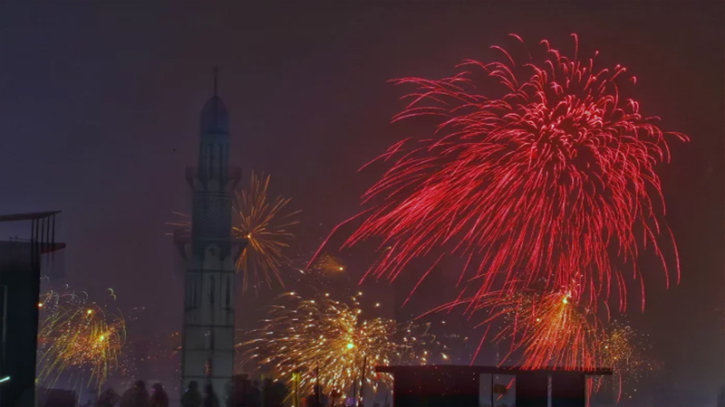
(210, 254)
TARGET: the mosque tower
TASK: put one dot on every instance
(210, 253)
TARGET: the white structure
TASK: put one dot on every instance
(210, 254)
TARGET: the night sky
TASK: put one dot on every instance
(99, 115)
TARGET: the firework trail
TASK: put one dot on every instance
(334, 336)
(538, 168)
(79, 338)
(264, 222)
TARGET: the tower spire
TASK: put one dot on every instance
(215, 70)
(214, 116)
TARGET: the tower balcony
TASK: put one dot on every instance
(225, 177)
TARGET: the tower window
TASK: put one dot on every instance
(195, 291)
(195, 294)
(211, 289)
(192, 292)
(229, 292)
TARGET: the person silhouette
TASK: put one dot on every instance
(108, 398)
(210, 399)
(192, 396)
(159, 398)
(136, 396)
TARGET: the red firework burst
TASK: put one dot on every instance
(555, 179)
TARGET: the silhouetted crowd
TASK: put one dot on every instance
(240, 392)
(138, 396)
(243, 394)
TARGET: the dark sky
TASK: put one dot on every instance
(99, 106)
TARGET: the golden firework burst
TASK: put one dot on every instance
(333, 337)
(79, 338)
(262, 221)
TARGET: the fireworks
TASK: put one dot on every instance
(548, 330)
(327, 273)
(619, 350)
(549, 174)
(81, 339)
(545, 329)
(263, 222)
(328, 264)
(335, 338)
(622, 350)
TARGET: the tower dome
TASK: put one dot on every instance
(214, 117)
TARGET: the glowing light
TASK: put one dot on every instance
(350, 345)
(562, 158)
(5, 379)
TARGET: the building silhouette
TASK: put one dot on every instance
(460, 386)
(210, 253)
(21, 261)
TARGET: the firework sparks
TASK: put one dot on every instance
(334, 337)
(554, 176)
(263, 222)
(546, 329)
(328, 264)
(80, 338)
(622, 350)
(327, 273)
